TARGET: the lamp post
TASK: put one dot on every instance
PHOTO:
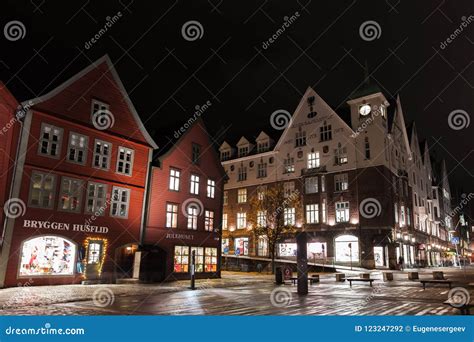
(193, 270)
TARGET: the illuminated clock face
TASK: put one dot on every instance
(364, 109)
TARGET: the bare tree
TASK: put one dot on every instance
(274, 213)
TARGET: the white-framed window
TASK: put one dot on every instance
(50, 140)
(262, 170)
(226, 197)
(402, 215)
(311, 185)
(174, 179)
(313, 160)
(96, 198)
(171, 215)
(98, 106)
(262, 249)
(262, 146)
(194, 185)
(340, 155)
(243, 151)
(224, 221)
(312, 213)
(211, 188)
(341, 182)
(193, 212)
(241, 220)
(242, 174)
(209, 220)
(70, 195)
(300, 139)
(42, 189)
(323, 211)
(288, 188)
(289, 216)
(102, 151)
(408, 216)
(125, 161)
(242, 195)
(261, 190)
(93, 252)
(261, 218)
(289, 165)
(77, 148)
(120, 202)
(325, 132)
(342, 211)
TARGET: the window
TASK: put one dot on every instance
(96, 198)
(347, 248)
(367, 148)
(241, 220)
(209, 220)
(102, 152)
(211, 260)
(196, 153)
(174, 179)
(171, 215)
(313, 160)
(42, 190)
(408, 217)
(225, 155)
(261, 190)
(340, 155)
(323, 183)
(120, 202)
(77, 148)
(262, 146)
(124, 161)
(262, 170)
(402, 215)
(289, 216)
(242, 173)
(288, 189)
(50, 140)
(226, 197)
(312, 213)
(194, 189)
(211, 188)
(94, 252)
(342, 211)
(98, 106)
(242, 195)
(300, 139)
(192, 212)
(395, 208)
(243, 151)
(311, 185)
(261, 218)
(262, 249)
(70, 195)
(241, 246)
(47, 255)
(181, 259)
(323, 211)
(325, 132)
(289, 165)
(198, 258)
(224, 221)
(341, 182)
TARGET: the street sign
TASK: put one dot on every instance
(455, 240)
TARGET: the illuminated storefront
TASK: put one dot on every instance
(347, 248)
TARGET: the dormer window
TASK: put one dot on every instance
(225, 155)
(263, 146)
(243, 151)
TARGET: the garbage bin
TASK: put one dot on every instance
(279, 275)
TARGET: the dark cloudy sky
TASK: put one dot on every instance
(167, 75)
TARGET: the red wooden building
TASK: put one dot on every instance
(81, 172)
(185, 209)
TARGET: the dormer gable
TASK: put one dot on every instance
(263, 142)
(243, 147)
(225, 151)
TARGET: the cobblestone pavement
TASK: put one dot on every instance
(238, 294)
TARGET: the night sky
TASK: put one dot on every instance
(167, 76)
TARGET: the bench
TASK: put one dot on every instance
(340, 277)
(436, 281)
(438, 275)
(370, 281)
(464, 309)
(387, 276)
(312, 279)
(365, 275)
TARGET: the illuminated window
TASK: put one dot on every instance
(241, 220)
(96, 197)
(288, 189)
(224, 221)
(42, 188)
(209, 220)
(242, 195)
(94, 253)
(193, 212)
(50, 140)
(261, 218)
(47, 256)
(262, 245)
(211, 188)
(289, 165)
(241, 246)
(125, 161)
(261, 190)
(341, 182)
(181, 259)
(347, 248)
(289, 216)
(342, 211)
(323, 183)
(340, 155)
(313, 160)
(323, 211)
(171, 215)
(312, 213)
(70, 195)
(102, 152)
(226, 198)
(120, 202)
(174, 179)
(194, 189)
(211, 259)
(198, 258)
(77, 152)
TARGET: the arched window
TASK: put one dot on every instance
(47, 255)
(347, 248)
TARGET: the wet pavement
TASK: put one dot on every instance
(240, 294)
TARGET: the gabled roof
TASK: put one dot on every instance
(104, 60)
(262, 136)
(398, 116)
(225, 146)
(243, 141)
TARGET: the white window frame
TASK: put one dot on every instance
(211, 188)
(209, 220)
(50, 141)
(42, 191)
(242, 195)
(117, 202)
(77, 148)
(241, 220)
(67, 192)
(288, 189)
(192, 213)
(342, 212)
(311, 185)
(224, 221)
(125, 162)
(174, 179)
(261, 170)
(341, 182)
(313, 160)
(194, 184)
(171, 215)
(98, 203)
(312, 213)
(261, 218)
(101, 154)
(289, 216)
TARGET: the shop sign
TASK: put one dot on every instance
(62, 226)
(179, 236)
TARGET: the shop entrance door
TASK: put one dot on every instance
(94, 258)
